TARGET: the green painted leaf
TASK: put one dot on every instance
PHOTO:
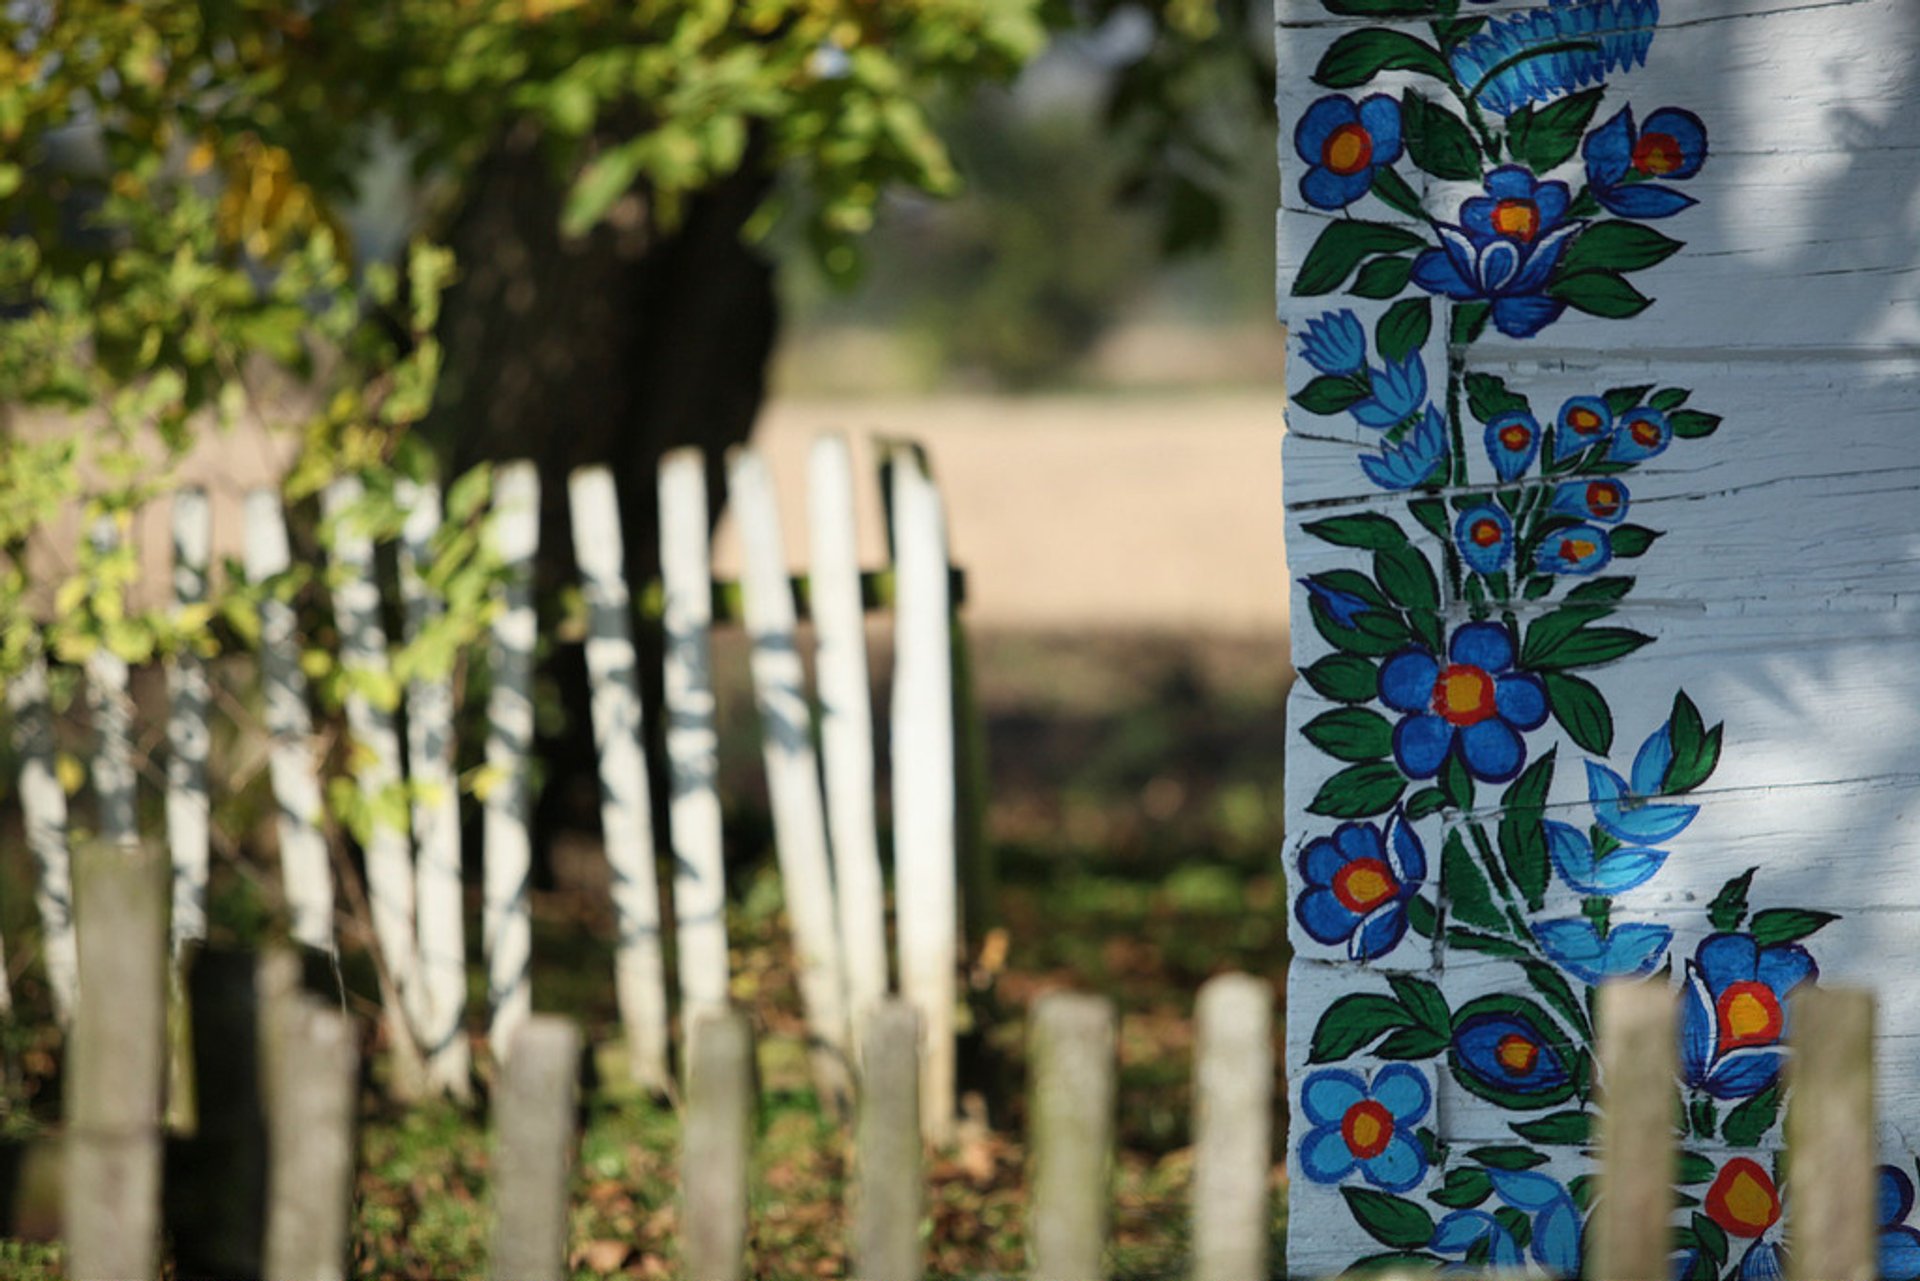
(1330, 394)
(1351, 734)
(1390, 1220)
(1369, 530)
(1404, 329)
(1421, 998)
(1598, 293)
(1544, 139)
(1432, 515)
(1599, 591)
(1359, 56)
(1747, 1124)
(1485, 944)
(1344, 678)
(1550, 630)
(1523, 841)
(1558, 993)
(1621, 399)
(1668, 399)
(1465, 1187)
(1469, 897)
(1374, 635)
(1383, 8)
(1383, 278)
(1412, 1043)
(1353, 1022)
(1469, 322)
(1562, 1128)
(1581, 710)
(1437, 140)
(1692, 424)
(1406, 577)
(1729, 906)
(1633, 540)
(1359, 791)
(1426, 801)
(1340, 249)
(1421, 918)
(1456, 783)
(1616, 246)
(1502, 1157)
(1592, 646)
(1488, 397)
(1696, 749)
(1693, 1168)
(1787, 924)
(1712, 1238)
(1394, 192)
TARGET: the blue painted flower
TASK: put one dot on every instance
(1500, 1055)
(1639, 435)
(1628, 951)
(1414, 460)
(1399, 392)
(1734, 1012)
(1358, 884)
(1546, 53)
(1628, 811)
(1616, 873)
(1899, 1244)
(1602, 501)
(1475, 706)
(1484, 536)
(1583, 421)
(1343, 142)
(1506, 246)
(1553, 1218)
(1335, 343)
(1365, 1127)
(1576, 550)
(1343, 607)
(1513, 440)
(1624, 164)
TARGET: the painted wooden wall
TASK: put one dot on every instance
(1601, 472)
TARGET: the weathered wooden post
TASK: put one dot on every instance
(189, 704)
(506, 920)
(1637, 1026)
(1233, 1128)
(117, 1066)
(110, 706)
(887, 1223)
(715, 1145)
(534, 1136)
(1831, 1193)
(43, 808)
(1071, 1131)
(313, 1075)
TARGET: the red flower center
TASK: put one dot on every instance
(1575, 550)
(1484, 533)
(1347, 150)
(1368, 1128)
(1657, 154)
(1583, 421)
(1743, 1199)
(1516, 437)
(1517, 220)
(1516, 1054)
(1749, 1014)
(1644, 431)
(1463, 694)
(1364, 884)
(1603, 498)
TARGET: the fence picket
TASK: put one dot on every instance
(313, 1064)
(110, 706)
(375, 758)
(1831, 1177)
(43, 807)
(793, 772)
(189, 738)
(306, 877)
(439, 899)
(533, 1134)
(846, 726)
(506, 923)
(1070, 1134)
(1232, 1128)
(626, 804)
(699, 884)
(117, 1066)
(716, 1142)
(1637, 1025)
(923, 783)
(886, 1230)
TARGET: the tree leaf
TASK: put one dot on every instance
(1341, 247)
(1564, 1128)
(1406, 577)
(1729, 906)
(1632, 540)
(1507, 1158)
(1592, 646)
(1692, 424)
(1421, 998)
(1523, 842)
(1465, 1188)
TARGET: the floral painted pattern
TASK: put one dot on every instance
(1467, 640)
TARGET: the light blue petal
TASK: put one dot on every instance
(1635, 950)
(1403, 1091)
(1650, 766)
(1400, 1166)
(1327, 1095)
(1324, 1155)
(1457, 1232)
(1629, 818)
(1526, 1189)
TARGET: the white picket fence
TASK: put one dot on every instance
(824, 810)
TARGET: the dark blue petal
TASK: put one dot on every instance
(1724, 959)
(1643, 200)
(1542, 260)
(1525, 317)
(1521, 700)
(1492, 750)
(1762, 1262)
(1380, 117)
(1900, 1255)
(1488, 646)
(1436, 272)
(1317, 124)
(1698, 1027)
(1744, 1073)
(1359, 840)
(1409, 855)
(1320, 860)
(1498, 265)
(1783, 967)
(1608, 149)
(1379, 933)
(1510, 182)
(1324, 917)
(1324, 189)
(1420, 744)
(1476, 217)
(1687, 132)
(1551, 199)
(1406, 680)
(1894, 1196)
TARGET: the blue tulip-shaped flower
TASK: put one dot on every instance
(1630, 811)
(1335, 343)
(1413, 461)
(1513, 441)
(1476, 705)
(1734, 1012)
(1604, 502)
(1626, 165)
(1577, 550)
(1629, 951)
(1484, 536)
(1583, 421)
(1639, 435)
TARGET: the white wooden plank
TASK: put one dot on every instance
(846, 723)
(793, 771)
(307, 878)
(440, 900)
(925, 894)
(43, 807)
(693, 811)
(374, 755)
(110, 706)
(189, 732)
(626, 805)
(506, 917)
